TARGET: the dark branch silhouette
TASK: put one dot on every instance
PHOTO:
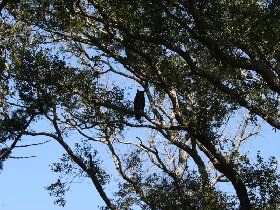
(3, 4)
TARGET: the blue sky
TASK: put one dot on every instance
(22, 181)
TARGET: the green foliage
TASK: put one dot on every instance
(163, 193)
(198, 62)
(57, 190)
(263, 181)
(70, 173)
(11, 125)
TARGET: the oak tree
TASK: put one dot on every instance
(79, 63)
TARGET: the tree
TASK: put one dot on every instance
(199, 64)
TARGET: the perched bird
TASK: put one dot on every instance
(139, 104)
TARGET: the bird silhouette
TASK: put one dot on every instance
(139, 104)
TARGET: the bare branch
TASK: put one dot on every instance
(29, 145)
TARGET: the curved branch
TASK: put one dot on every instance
(3, 4)
(119, 168)
(221, 164)
(256, 65)
(17, 138)
(80, 163)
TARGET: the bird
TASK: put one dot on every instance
(139, 104)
